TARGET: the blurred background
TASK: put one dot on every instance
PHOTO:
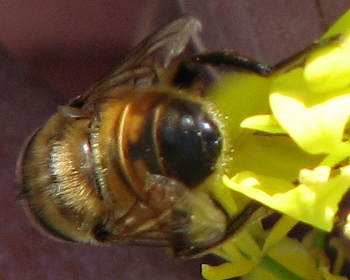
(51, 51)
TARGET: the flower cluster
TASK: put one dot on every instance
(291, 138)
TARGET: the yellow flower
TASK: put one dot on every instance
(304, 122)
(315, 122)
(289, 135)
(314, 201)
(258, 254)
(328, 68)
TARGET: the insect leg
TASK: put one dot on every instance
(187, 71)
(298, 58)
(235, 224)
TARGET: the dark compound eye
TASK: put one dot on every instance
(190, 141)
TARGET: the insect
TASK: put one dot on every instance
(132, 160)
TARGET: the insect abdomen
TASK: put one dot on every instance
(57, 183)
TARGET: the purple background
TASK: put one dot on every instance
(56, 49)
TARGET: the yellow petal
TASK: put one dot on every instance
(327, 68)
(315, 204)
(316, 124)
(265, 123)
(239, 95)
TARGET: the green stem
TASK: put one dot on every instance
(278, 270)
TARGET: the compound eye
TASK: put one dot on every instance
(190, 141)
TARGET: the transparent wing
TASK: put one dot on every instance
(155, 52)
